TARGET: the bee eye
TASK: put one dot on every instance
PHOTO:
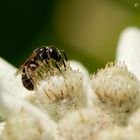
(38, 50)
(41, 49)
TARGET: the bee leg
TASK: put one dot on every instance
(64, 63)
(27, 72)
(65, 56)
(57, 66)
(48, 64)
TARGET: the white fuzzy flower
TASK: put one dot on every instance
(62, 92)
(117, 91)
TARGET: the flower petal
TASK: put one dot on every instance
(8, 82)
(23, 118)
(128, 49)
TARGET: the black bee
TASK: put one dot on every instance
(39, 56)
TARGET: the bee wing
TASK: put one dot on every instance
(19, 70)
(25, 63)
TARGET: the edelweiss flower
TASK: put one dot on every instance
(96, 103)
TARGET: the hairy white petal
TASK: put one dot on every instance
(8, 82)
(10, 104)
(75, 65)
(129, 49)
(134, 120)
(119, 133)
(2, 124)
(24, 121)
(83, 125)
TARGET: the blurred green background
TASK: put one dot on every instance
(88, 30)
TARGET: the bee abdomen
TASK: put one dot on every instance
(27, 83)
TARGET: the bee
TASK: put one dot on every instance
(39, 56)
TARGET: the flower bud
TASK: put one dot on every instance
(61, 92)
(116, 90)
